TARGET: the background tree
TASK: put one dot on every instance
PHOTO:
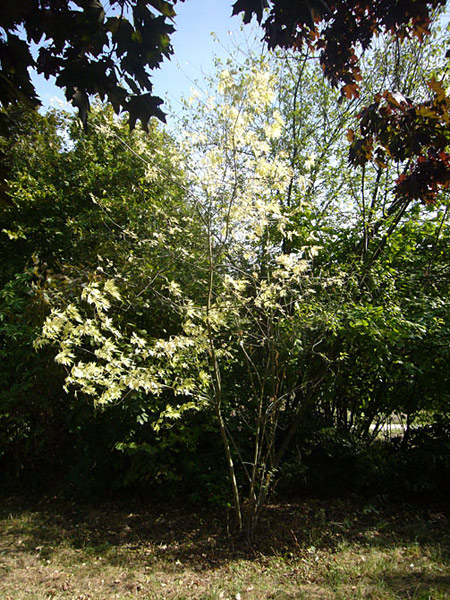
(414, 133)
(81, 208)
(359, 225)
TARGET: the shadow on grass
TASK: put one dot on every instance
(200, 539)
(418, 585)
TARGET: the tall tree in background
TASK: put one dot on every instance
(415, 134)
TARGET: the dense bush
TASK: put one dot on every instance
(331, 463)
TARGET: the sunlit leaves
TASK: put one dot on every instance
(238, 171)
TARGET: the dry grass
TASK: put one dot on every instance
(311, 550)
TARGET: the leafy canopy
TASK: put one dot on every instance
(338, 28)
(90, 47)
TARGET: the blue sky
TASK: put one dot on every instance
(194, 48)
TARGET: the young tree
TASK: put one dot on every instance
(291, 312)
(236, 325)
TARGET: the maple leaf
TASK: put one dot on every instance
(396, 99)
(350, 90)
(437, 88)
(249, 8)
(142, 108)
(163, 7)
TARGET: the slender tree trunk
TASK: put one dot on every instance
(217, 393)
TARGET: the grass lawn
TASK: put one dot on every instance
(339, 549)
